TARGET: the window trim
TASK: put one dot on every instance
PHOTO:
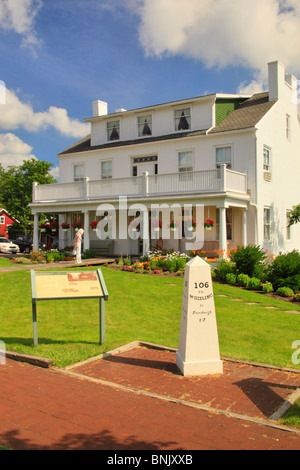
(106, 160)
(288, 133)
(78, 178)
(229, 165)
(2, 219)
(267, 224)
(119, 130)
(185, 169)
(177, 118)
(141, 124)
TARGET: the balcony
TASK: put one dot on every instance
(195, 182)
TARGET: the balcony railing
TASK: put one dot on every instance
(206, 181)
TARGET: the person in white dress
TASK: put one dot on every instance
(77, 245)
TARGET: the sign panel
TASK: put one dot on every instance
(53, 285)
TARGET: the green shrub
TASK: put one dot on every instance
(231, 278)
(296, 297)
(254, 283)
(285, 292)
(267, 287)
(224, 268)
(87, 254)
(248, 260)
(243, 280)
(285, 271)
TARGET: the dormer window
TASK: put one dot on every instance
(145, 126)
(113, 130)
(182, 119)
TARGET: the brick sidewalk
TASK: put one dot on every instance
(103, 409)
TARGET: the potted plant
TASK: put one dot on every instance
(93, 225)
(157, 225)
(65, 226)
(134, 225)
(173, 225)
(208, 224)
(43, 227)
(53, 226)
(77, 226)
(191, 225)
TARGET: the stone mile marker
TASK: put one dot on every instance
(198, 350)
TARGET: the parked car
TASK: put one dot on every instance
(26, 244)
(6, 246)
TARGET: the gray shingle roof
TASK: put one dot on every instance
(247, 115)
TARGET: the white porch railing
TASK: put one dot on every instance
(206, 181)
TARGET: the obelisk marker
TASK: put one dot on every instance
(198, 350)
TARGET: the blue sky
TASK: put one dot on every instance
(58, 56)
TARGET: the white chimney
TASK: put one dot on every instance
(276, 79)
(99, 108)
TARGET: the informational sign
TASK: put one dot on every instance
(53, 285)
(198, 350)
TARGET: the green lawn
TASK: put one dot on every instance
(146, 308)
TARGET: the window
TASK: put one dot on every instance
(2, 220)
(223, 155)
(288, 228)
(185, 161)
(267, 223)
(182, 119)
(228, 224)
(78, 172)
(113, 130)
(267, 158)
(106, 170)
(288, 126)
(145, 126)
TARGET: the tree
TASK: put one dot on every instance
(294, 215)
(16, 188)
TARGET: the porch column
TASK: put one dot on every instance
(36, 232)
(146, 244)
(223, 232)
(86, 228)
(245, 227)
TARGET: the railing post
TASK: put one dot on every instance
(223, 176)
(145, 183)
(86, 187)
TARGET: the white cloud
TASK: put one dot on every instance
(15, 114)
(19, 16)
(13, 151)
(220, 33)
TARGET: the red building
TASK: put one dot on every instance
(5, 221)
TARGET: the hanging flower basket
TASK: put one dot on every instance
(135, 226)
(77, 226)
(65, 226)
(191, 225)
(43, 227)
(93, 225)
(173, 225)
(208, 224)
(157, 225)
(54, 226)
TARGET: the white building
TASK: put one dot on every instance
(238, 156)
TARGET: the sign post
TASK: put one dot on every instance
(198, 350)
(54, 285)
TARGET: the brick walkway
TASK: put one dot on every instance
(136, 400)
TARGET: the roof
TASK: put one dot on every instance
(85, 144)
(8, 215)
(247, 115)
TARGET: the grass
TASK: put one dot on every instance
(145, 308)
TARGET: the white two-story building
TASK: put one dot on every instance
(236, 156)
